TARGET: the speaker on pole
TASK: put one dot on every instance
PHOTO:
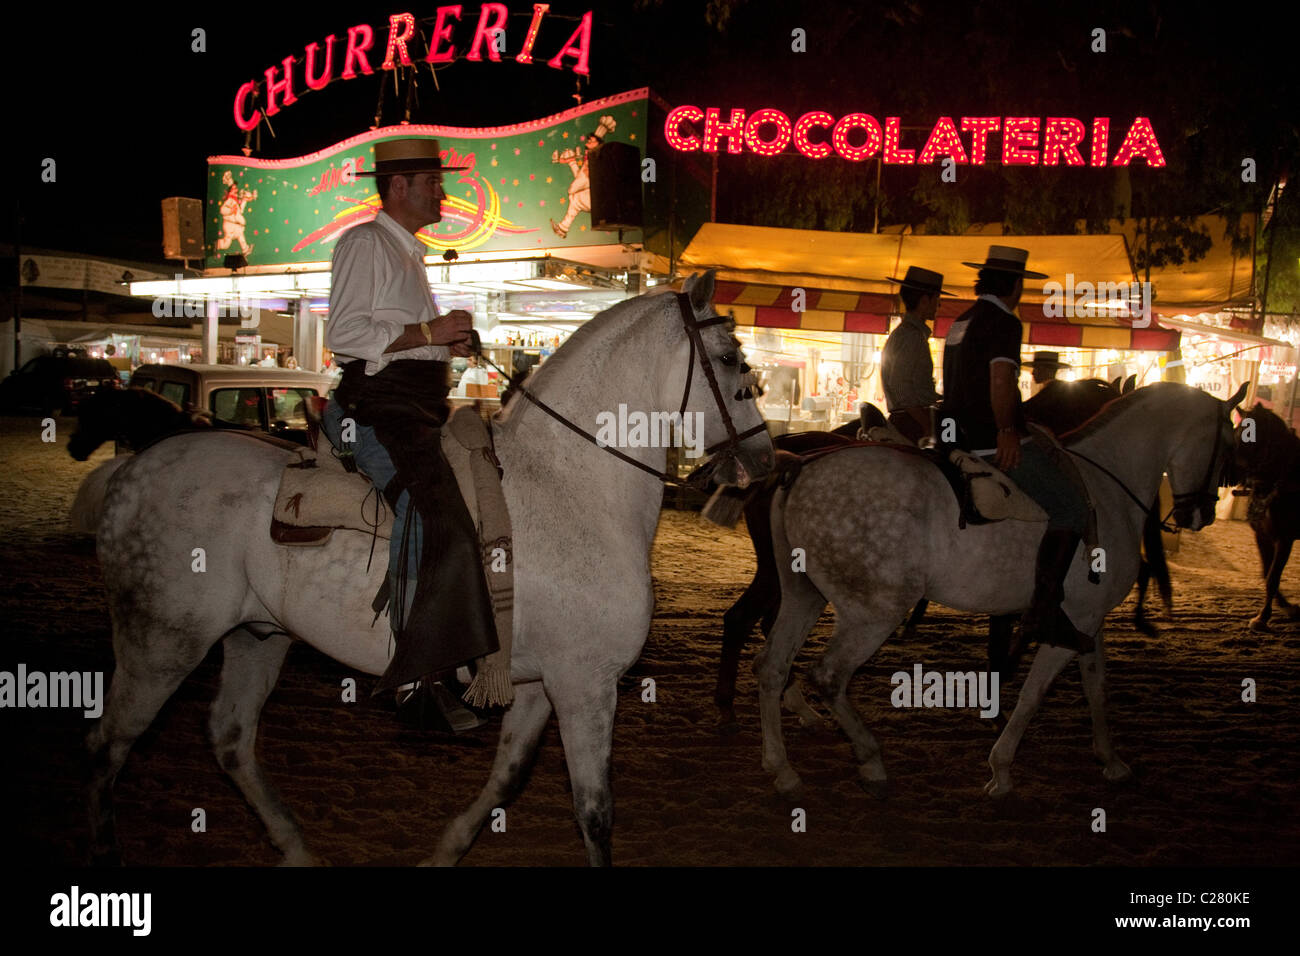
(615, 172)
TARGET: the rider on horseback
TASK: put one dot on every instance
(906, 369)
(981, 367)
(385, 325)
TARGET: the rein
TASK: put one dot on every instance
(692, 327)
(1201, 497)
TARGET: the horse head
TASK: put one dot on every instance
(719, 389)
(96, 422)
(1263, 445)
(1199, 469)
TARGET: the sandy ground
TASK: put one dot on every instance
(1215, 783)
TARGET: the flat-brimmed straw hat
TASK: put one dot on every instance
(1046, 360)
(922, 280)
(407, 156)
(1007, 259)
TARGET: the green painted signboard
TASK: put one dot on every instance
(526, 189)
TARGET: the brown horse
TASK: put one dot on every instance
(1268, 457)
(1060, 406)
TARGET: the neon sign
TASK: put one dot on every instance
(1026, 140)
(488, 38)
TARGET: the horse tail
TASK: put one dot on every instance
(88, 506)
(1154, 547)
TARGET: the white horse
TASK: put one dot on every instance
(901, 543)
(583, 523)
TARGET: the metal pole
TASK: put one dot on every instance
(875, 224)
(18, 276)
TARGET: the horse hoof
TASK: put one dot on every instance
(788, 783)
(1259, 624)
(876, 789)
(436, 860)
(997, 788)
(302, 858)
(1117, 771)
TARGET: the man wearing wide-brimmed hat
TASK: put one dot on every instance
(906, 369)
(385, 329)
(1044, 368)
(981, 372)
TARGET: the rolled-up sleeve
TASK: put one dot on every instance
(354, 327)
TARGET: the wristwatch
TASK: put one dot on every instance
(1007, 431)
(428, 332)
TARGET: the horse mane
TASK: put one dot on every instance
(1112, 410)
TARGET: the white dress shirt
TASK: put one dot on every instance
(379, 286)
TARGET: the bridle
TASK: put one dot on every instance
(692, 325)
(1206, 498)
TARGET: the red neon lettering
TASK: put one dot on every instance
(943, 140)
(840, 136)
(766, 117)
(801, 127)
(319, 82)
(714, 129)
(1062, 136)
(892, 154)
(1100, 137)
(526, 54)
(1140, 141)
(245, 91)
(582, 51)
(397, 41)
(360, 39)
(441, 33)
(979, 127)
(485, 31)
(274, 86)
(1019, 133)
(672, 128)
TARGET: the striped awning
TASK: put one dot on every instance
(830, 310)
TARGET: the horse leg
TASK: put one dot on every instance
(249, 673)
(521, 729)
(918, 612)
(586, 717)
(141, 685)
(1281, 554)
(1140, 622)
(1092, 668)
(1049, 661)
(737, 625)
(801, 605)
(853, 643)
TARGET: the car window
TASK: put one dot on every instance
(177, 392)
(239, 406)
(289, 405)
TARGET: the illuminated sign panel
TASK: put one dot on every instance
(1026, 140)
(527, 188)
(318, 60)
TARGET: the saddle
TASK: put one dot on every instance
(319, 495)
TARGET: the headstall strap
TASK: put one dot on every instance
(692, 327)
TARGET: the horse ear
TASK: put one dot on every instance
(1130, 383)
(1238, 395)
(700, 288)
(1115, 382)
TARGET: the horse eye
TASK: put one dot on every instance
(730, 359)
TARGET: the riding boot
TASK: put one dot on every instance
(1046, 621)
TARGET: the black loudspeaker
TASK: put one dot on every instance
(615, 172)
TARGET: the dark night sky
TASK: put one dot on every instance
(130, 113)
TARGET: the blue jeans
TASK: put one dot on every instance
(373, 461)
(1038, 477)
